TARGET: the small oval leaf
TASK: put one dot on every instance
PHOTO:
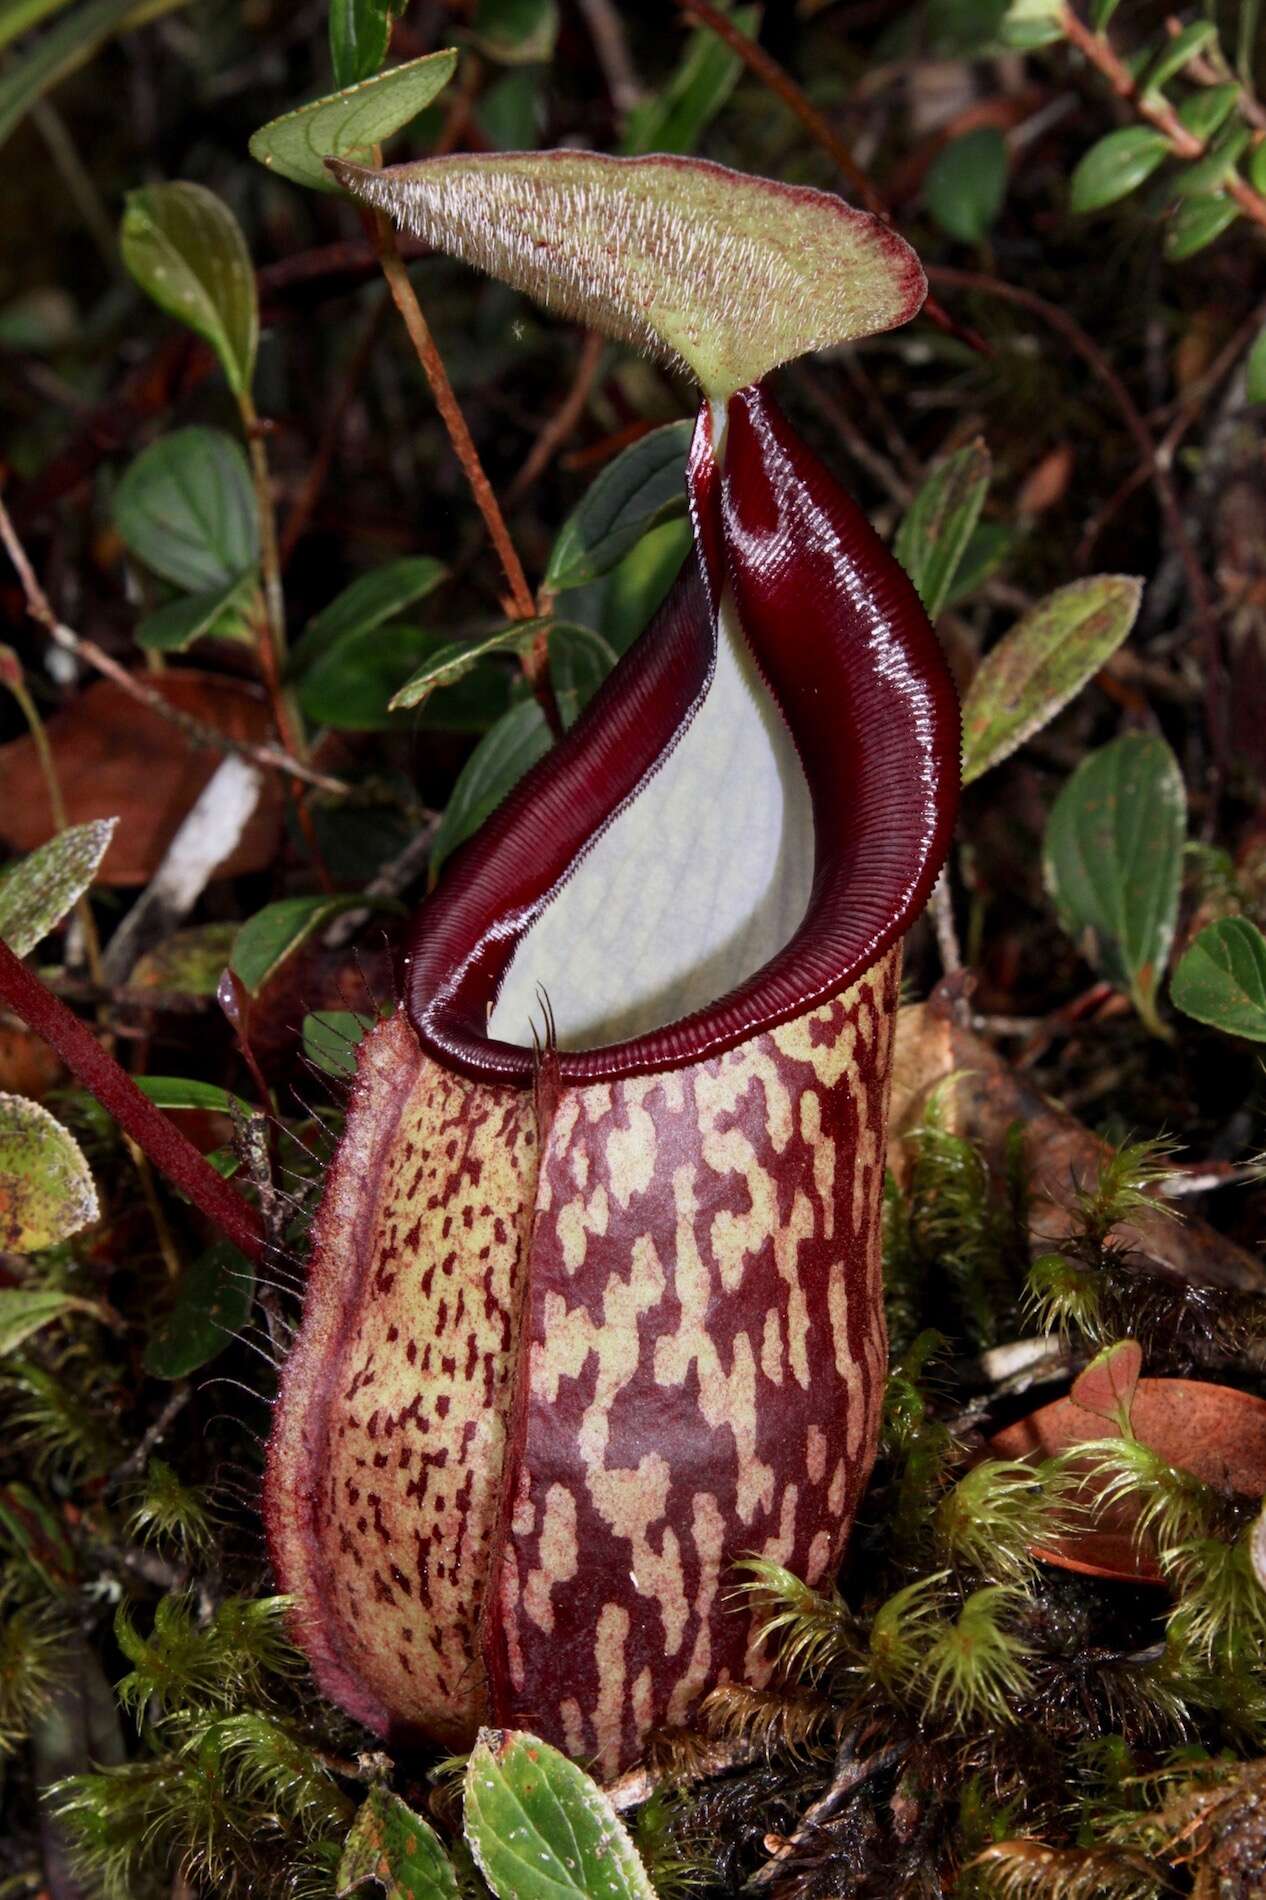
(46, 1190)
(391, 1844)
(354, 120)
(1196, 223)
(1113, 861)
(213, 1302)
(1042, 663)
(186, 250)
(967, 182)
(1116, 166)
(38, 891)
(186, 508)
(536, 1823)
(1221, 978)
(644, 485)
(730, 274)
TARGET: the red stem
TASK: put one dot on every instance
(150, 1129)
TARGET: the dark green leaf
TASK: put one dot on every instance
(1207, 111)
(1116, 166)
(350, 122)
(1197, 222)
(679, 114)
(579, 662)
(213, 1303)
(989, 546)
(516, 32)
(517, 741)
(1174, 56)
(966, 184)
(1221, 978)
(38, 891)
(539, 1825)
(175, 626)
(1257, 167)
(265, 940)
(46, 1190)
(371, 599)
(1212, 171)
(621, 604)
(185, 248)
(445, 664)
(354, 685)
(330, 1037)
(963, 26)
(178, 1091)
(934, 534)
(391, 1844)
(1042, 663)
(360, 32)
(1255, 369)
(645, 485)
(1113, 861)
(1101, 12)
(185, 507)
(510, 112)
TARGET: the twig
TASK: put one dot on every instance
(138, 1457)
(564, 419)
(1154, 107)
(272, 758)
(941, 906)
(450, 411)
(779, 81)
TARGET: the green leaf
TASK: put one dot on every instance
(454, 659)
(355, 685)
(1115, 166)
(679, 114)
(1031, 23)
(391, 1844)
(330, 1037)
(1101, 12)
(190, 961)
(1113, 861)
(186, 250)
(1207, 111)
(351, 121)
(360, 32)
(509, 113)
(1197, 222)
(990, 545)
(178, 1091)
(34, 72)
(371, 599)
(1257, 167)
(176, 625)
(265, 940)
(940, 521)
(967, 182)
(24, 1310)
(1221, 978)
(1255, 369)
(729, 273)
(1042, 663)
(39, 890)
(623, 602)
(213, 1303)
(46, 1190)
(1212, 171)
(516, 32)
(1173, 57)
(646, 484)
(579, 661)
(538, 1825)
(496, 765)
(185, 507)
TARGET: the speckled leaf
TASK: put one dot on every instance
(213, 1302)
(1042, 663)
(38, 891)
(939, 523)
(1221, 978)
(729, 274)
(391, 1844)
(539, 1826)
(642, 487)
(354, 120)
(185, 248)
(46, 1190)
(1113, 861)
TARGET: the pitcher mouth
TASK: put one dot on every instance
(844, 648)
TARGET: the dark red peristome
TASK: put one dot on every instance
(845, 646)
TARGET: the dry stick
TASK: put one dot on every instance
(780, 82)
(450, 412)
(1197, 583)
(272, 758)
(169, 1150)
(1154, 107)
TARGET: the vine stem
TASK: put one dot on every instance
(159, 1139)
(454, 421)
(1154, 107)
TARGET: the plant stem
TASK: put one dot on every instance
(524, 606)
(272, 647)
(159, 1138)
